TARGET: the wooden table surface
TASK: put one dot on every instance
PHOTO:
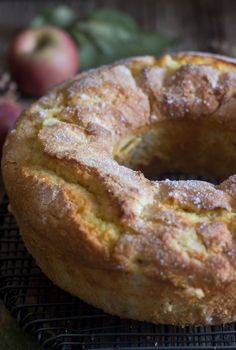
(196, 24)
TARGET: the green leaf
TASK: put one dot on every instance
(11, 336)
(149, 43)
(87, 50)
(112, 42)
(103, 37)
(60, 16)
(115, 17)
(109, 31)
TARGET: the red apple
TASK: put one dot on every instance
(42, 57)
(9, 112)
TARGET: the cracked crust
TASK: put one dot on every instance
(89, 218)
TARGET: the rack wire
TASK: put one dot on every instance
(62, 322)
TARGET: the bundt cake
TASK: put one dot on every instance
(78, 170)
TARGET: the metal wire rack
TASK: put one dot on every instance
(62, 322)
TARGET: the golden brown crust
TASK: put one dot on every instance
(89, 220)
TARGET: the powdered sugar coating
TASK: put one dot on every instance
(198, 194)
(191, 91)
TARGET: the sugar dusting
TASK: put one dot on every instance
(192, 90)
(99, 101)
(201, 194)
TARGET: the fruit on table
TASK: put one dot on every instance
(9, 112)
(42, 57)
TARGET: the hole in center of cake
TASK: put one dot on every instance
(204, 149)
(181, 176)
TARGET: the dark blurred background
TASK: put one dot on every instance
(198, 24)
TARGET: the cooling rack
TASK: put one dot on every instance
(62, 322)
